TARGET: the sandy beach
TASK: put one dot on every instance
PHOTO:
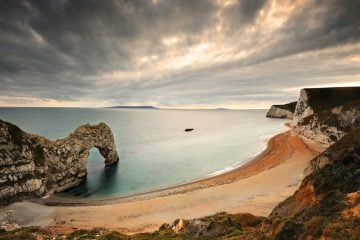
(255, 187)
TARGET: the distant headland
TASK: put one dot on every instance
(134, 107)
(165, 108)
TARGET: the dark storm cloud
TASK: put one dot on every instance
(242, 12)
(171, 52)
(319, 24)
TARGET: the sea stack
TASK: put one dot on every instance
(31, 165)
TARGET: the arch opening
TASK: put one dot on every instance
(99, 176)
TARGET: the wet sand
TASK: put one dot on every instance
(256, 187)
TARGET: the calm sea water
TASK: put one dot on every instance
(154, 150)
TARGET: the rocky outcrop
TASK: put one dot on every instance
(341, 155)
(324, 115)
(214, 227)
(347, 148)
(328, 126)
(31, 165)
(282, 111)
(327, 203)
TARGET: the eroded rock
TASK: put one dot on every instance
(324, 115)
(328, 126)
(31, 165)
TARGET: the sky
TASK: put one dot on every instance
(174, 53)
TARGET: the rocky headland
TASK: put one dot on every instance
(282, 111)
(31, 165)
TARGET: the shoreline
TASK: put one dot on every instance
(193, 185)
(256, 188)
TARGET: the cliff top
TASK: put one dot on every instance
(324, 98)
(289, 106)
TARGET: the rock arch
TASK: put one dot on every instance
(33, 165)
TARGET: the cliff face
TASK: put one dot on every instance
(327, 204)
(31, 165)
(314, 100)
(340, 162)
(328, 126)
(325, 115)
(282, 111)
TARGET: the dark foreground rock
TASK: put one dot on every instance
(327, 204)
(31, 165)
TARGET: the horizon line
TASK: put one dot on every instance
(137, 108)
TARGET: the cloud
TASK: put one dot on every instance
(174, 53)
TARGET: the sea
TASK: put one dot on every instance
(154, 150)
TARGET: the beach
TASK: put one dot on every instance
(256, 188)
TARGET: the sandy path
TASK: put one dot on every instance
(256, 188)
